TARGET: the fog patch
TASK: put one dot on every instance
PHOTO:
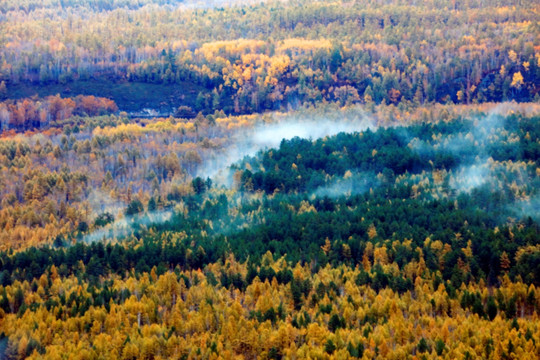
(270, 136)
(483, 131)
(525, 208)
(351, 184)
(101, 202)
(127, 226)
(245, 142)
(264, 136)
(467, 178)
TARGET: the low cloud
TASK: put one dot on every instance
(126, 226)
(466, 178)
(525, 208)
(353, 184)
(264, 136)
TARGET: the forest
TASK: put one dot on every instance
(383, 242)
(269, 179)
(272, 55)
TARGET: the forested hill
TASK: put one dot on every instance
(432, 186)
(319, 247)
(270, 55)
(269, 179)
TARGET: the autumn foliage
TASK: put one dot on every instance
(280, 54)
(154, 203)
(28, 114)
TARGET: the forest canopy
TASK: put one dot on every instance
(272, 55)
(314, 247)
(184, 179)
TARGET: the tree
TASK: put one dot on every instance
(335, 323)
(199, 185)
(517, 80)
(368, 95)
(152, 206)
(505, 261)
(329, 346)
(185, 112)
(439, 347)
(394, 95)
(103, 219)
(3, 90)
(192, 160)
(5, 117)
(346, 95)
(134, 207)
(422, 346)
(491, 308)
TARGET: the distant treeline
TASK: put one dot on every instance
(32, 113)
(442, 51)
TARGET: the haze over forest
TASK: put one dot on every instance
(269, 179)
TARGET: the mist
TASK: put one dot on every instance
(470, 147)
(265, 136)
(526, 208)
(126, 226)
(101, 202)
(466, 178)
(246, 142)
(356, 183)
(470, 143)
(475, 169)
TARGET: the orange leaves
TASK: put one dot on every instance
(326, 247)
(60, 109)
(372, 231)
(92, 105)
(56, 46)
(28, 114)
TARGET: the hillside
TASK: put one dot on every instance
(272, 55)
(316, 247)
(269, 179)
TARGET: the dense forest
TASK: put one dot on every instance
(271, 55)
(269, 179)
(372, 243)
